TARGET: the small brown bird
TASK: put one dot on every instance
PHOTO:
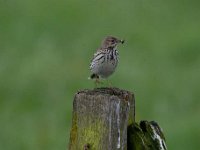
(105, 59)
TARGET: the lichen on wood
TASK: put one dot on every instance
(104, 119)
(100, 119)
(146, 136)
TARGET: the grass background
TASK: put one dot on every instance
(45, 50)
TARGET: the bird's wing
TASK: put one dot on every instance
(97, 58)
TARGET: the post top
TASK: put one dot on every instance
(124, 94)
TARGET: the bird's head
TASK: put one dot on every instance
(111, 42)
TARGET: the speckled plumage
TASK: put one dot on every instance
(106, 58)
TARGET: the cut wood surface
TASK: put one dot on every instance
(100, 119)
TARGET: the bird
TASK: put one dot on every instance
(105, 59)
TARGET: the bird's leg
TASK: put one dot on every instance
(109, 84)
(97, 82)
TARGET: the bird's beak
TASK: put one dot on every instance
(121, 41)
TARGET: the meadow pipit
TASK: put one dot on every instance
(105, 59)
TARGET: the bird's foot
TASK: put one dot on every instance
(97, 82)
(109, 84)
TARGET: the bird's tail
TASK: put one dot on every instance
(93, 76)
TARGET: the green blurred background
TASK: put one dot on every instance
(45, 50)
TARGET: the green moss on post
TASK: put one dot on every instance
(136, 140)
(73, 135)
(93, 135)
(145, 136)
(100, 119)
(104, 119)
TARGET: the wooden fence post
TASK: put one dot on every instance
(100, 120)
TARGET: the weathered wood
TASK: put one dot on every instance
(145, 136)
(100, 119)
(104, 119)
